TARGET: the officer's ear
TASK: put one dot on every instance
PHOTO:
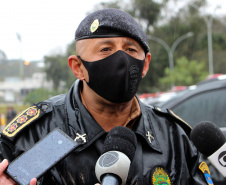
(76, 66)
(146, 64)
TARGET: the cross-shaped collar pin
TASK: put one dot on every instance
(149, 136)
(83, 137)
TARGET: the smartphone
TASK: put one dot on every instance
(41, 157)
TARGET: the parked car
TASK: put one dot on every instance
(204, 102)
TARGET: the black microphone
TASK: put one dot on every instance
(119, 148)
(210, 141)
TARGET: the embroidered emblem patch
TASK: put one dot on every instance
(94, 25)
(21, 121)
(13, 127)
(32, 112)
(205, 170)
(160, 177)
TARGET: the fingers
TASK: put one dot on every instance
(3, 166)
(4, 179)
(33, 181)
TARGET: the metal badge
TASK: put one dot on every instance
(94, 25)
(82, 137)
(149, 136)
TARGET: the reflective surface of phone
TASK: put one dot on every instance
(41, 157)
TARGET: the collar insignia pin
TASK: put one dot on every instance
(82, 136)
(149, 136)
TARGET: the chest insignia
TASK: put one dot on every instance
(21, 121)
(205, 170)
(82, 137)
(160, 176)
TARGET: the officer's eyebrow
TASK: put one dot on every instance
(131, 43)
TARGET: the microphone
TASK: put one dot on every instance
(119, 148)
(211, 142)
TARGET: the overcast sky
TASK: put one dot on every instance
(46, 26)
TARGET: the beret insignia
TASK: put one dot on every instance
(160, 176)
(22, 120)
(205, 170)
(94, 25)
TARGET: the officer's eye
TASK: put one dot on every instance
(131, 50)
(105, 49)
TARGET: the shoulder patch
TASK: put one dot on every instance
(205, 170)
(21, 121)
(187, 128)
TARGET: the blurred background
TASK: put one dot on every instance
(187, 40)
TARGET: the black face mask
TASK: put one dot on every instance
(115, 78)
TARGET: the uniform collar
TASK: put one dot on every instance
(79, 119)
(83, 122)
(146, 127)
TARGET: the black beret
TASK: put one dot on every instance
(111, 22)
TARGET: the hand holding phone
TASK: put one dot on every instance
(41, 157)
(5, 179)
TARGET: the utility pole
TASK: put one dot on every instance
(170, 50)
(21, 56)
(208, 21)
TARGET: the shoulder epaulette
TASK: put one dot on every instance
(169, 113)
(24, 119)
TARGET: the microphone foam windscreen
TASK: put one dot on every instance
(207, 137)
(121, 139)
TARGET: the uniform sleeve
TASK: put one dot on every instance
(6, 149)
(199, 171)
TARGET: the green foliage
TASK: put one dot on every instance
(38, 95)
(186, 73)
(58, 70)
(146, 11)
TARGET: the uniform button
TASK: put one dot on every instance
(44, 107)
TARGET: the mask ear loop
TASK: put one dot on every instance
(84, 66)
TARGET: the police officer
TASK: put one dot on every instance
(112, 58)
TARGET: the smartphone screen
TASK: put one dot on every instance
(41, 157)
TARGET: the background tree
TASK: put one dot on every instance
(186, 73)
(38, 95)
(57, 68)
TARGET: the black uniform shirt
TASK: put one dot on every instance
(164, 153)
